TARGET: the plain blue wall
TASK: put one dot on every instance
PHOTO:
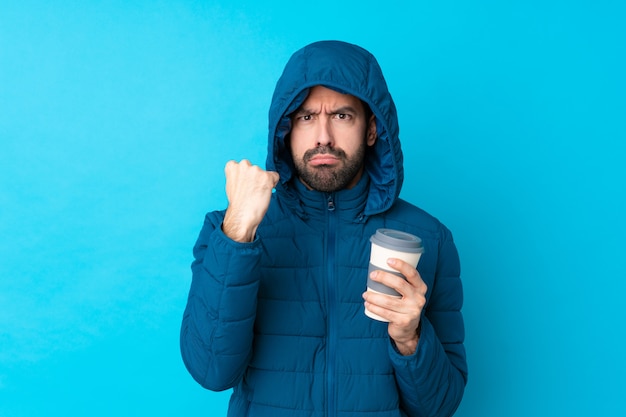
(116, 119)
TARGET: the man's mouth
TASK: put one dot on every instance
(323, 155)
(323, 159)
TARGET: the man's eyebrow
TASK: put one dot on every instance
(303, 110)
(339, 110)
(344, 109)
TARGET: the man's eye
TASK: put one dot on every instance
(306, 117)
(343, 116)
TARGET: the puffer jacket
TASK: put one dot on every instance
(281, 319)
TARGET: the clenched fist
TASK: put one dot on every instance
(249, 189)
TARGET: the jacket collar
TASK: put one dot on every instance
(349, 203)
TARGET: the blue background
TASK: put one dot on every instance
(117, 117)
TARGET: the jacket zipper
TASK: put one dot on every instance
(332, 316)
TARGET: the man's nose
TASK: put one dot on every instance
(325, 135)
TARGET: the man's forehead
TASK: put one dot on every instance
(325, 95)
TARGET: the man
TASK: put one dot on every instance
(276, 305)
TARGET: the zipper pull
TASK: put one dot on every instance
(331, 203)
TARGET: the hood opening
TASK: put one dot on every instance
(347, 69)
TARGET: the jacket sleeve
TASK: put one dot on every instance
(431, 382)
(217, 327)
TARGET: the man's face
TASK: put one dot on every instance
(329, 137)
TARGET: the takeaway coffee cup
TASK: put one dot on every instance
(389, 243)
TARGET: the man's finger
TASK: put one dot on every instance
(275, 177)
(406, 269)
(390, 280)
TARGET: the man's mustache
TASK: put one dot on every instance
(336, 152)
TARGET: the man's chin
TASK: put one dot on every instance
(324, 183)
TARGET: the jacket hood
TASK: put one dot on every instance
(348, 69)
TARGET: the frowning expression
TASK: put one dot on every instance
(329, 135)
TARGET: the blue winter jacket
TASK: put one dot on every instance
(281, 319)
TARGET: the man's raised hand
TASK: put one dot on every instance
(249, 189)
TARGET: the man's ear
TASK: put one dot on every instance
(371, 131)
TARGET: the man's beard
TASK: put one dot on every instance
(326, 178)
